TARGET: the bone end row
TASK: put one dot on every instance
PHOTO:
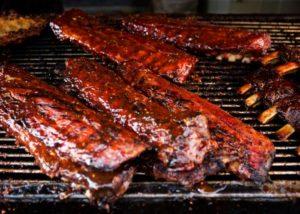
(253, 100)
(284, 132)
(281, 70)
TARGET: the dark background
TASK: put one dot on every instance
(158, 6)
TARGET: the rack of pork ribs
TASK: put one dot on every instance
(67, 139)
(272, 85)
(200, 36)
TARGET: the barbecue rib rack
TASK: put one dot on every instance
(281, 94)
(22, 182)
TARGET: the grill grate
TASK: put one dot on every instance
(44, 55)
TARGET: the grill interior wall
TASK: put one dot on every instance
(44, 55)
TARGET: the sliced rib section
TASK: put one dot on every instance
(243, 151)
(120, 46)
(278, 91)
(182, 139)
(66, 138)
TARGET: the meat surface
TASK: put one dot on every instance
(182, 139)
(15, 28)
(120, 46)
(290, 54)
(241, 149)
(197, 35)
(278, 91)
(210, 166)
(83, 147)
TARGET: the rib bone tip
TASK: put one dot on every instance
(243, 89)
(285, 132)
(267, 115)
(251, 100)
(287, 68)
(270, 57)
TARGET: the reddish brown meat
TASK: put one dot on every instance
(120, 46)
(182, 139)
(289, 54)
(211, 166)
(198, 36)
(67, 139)
(244, 151)
(278, 91)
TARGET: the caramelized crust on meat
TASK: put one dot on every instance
(67, 139)
(120, 46)
(182, 139)
(198, 36)
(244, 151)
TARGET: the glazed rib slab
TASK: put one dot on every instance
(182, 139)
(120, 46)
(67, 139)
(241, 149)
(190, 33)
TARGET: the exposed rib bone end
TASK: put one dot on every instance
(254, 98)
(243, 89)
(285, 131)
(230, 57)
(287, 68)
(267, 115)
(270, 58)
